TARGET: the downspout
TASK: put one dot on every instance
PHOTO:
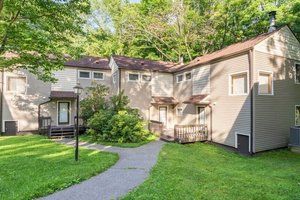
(120, 80)
(1, 99)
(250, 57)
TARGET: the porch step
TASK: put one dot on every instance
(64, 131)
(167, 138)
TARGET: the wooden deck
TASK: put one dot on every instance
(190, 133)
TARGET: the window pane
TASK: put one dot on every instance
(84, 74)
(297, 73)
(179, 78)
(188, 76)
(265, 83)
(133, 77)
(201, 115)
(98, 75)
(146, 78)
(239, 84)
(16, 84)
(297, 115)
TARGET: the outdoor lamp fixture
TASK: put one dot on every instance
(77, 90)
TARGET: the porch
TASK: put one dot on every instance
(180, 133)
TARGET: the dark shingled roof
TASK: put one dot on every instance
(125, 62)
(62, 95)
(227, 51)
(164, 101)
(89, 62)
(196, 99)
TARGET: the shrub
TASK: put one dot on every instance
(98, 124)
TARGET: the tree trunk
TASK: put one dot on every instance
(1, 5)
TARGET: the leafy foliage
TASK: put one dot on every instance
(170, 29)
(39, 33)
(96, 100)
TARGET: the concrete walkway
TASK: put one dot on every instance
(130, 171)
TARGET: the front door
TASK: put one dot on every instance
(163, 115)
(201, 115)
(63, 113)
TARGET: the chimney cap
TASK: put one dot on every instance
(273, 12)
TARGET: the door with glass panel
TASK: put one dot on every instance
(63, 113)
(163, 115)
(201, 115)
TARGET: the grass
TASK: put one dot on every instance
(87, 138)
(33, 166)
(203, 171)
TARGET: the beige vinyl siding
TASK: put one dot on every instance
(282, 43)
(139, 92)
(274, 114)
(66, 79)
(201, 80)
(24, 107)
(162, 84)
(230, 114)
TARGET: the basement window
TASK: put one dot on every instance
(265, 83)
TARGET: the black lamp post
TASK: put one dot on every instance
(77, 90)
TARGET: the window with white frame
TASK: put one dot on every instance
(133, 77)
(146, 78)
(239, 83)
(265, 83)
(297, 73)
(16, 84)
(98, 75)
(188, 76)
(297, 115)
(179, 78)
(84, 74)
(179, 111)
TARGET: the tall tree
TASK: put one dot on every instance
(36, 34)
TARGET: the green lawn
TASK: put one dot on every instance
(33, 166)
(87, 138)
(203, 171)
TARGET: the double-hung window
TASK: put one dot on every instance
(265, 83)
(84, 74)
(133, 77)
(16, 84)
(297, 115)
(297, 73)
(238, 84)
(146, 78)
(98, 76)
(179, 78)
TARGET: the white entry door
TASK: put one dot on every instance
(63, 112)
(201, 115)
(163, 115)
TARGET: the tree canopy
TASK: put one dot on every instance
(38, 34)
(170, 29)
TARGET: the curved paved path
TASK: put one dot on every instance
(131, 170)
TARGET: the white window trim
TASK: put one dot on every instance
(98, 78)
(84, 71)
(146, 75)
(272, 89)
(178, 76)
(70, 112)
(295, 114)
(295, 77)
(188, 73)
(177, 113)
(139, 77)
(236, 142)
(230, 83)
(15, 76)
(3, 124)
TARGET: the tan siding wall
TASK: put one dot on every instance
(283, 43)
(275, 114)
(66, 79)
(231, 114)
(201, 83)
(24, 107)
(162, 84)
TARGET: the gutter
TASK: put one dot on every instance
(250, 57)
